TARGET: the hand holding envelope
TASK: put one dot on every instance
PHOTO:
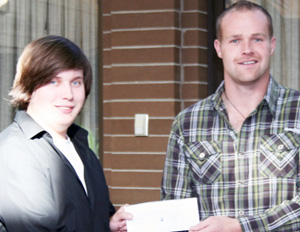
(163, 216)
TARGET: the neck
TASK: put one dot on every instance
(246, 97)
(241, 100)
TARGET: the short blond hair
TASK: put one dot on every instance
(241, 6)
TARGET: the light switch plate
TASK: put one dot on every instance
(141, 122)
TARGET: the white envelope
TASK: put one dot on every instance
(163, 216)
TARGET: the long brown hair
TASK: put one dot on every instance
(43, 59)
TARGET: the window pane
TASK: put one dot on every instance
(22, 21)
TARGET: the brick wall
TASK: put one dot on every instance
(154, 62)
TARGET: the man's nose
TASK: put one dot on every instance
(67, 92)
(247, 47)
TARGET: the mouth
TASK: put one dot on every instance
(66, 108)
(248, 62)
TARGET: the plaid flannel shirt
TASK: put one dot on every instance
(252, 175)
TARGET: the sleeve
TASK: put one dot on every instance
(26, 199)
(284, 217)
(176, 180)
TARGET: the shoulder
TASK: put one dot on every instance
(19, 152)
(286, 109)
(18, 145)
(11, 135)
(288, 94)
(197, 111)
(287, 98)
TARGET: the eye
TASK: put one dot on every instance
(77, 82)
(257, 40)
(53, 82)
(234, 41)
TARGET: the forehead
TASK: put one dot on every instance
(244, 22)
(70, 73)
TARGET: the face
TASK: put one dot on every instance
(56, 105)
(246, 47)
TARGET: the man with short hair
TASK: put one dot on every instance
(237, 151)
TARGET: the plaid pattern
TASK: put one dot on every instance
(253, 175)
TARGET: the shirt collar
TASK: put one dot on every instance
(217, 102)
(31, 129)
(270, 97)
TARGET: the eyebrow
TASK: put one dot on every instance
(252, 35)
(260, 34)
(76, 77)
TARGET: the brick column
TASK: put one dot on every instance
(154, 57)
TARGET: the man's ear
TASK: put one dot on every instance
(273, 44)
(217, 45)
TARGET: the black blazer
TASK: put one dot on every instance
(40, 189)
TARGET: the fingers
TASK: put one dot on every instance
(118, 220)
(200, 226)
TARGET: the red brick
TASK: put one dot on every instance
(133, 196)
(145, 73)
(106, 74)
(139, 144)
(129, 109)
(145, 55)
(195, 73)
(195, 38)
(107, 94)
(129, 5)
(144, 91)
(195, 5)
(106, 22)
(107, 176)
(194, 56)
(148, 37)
(107, 144)
(107, 57)
(194, 20)
(137, 161)
(106, 43)
(136, 179)
(194, 91)
(145, 20)
(106, 6)
(107, 162)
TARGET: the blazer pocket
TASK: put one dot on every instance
(205, 160)
(279, 155)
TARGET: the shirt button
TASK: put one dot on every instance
(202, 155)
(280, 147)
(241, 213)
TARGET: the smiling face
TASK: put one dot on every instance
(56, 104)
(246, 47)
